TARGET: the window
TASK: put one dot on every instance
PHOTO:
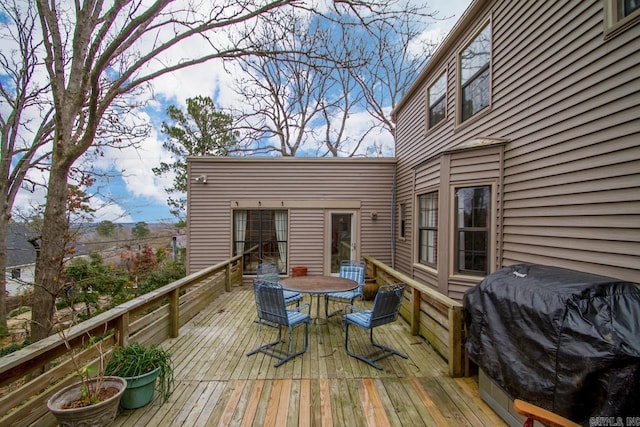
(626, 8)
(428, 228)
(437, 101)
(620, 15)
(16, 273)
(262, 236)
(475, 75)
(472, 225)
(403, 220)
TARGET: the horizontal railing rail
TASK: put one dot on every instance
(430, 314)
(27, 375)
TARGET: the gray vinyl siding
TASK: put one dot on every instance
(306, 187)
(568, 103)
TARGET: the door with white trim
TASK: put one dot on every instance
(342, 243)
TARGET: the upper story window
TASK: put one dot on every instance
(620, 15)
(261, 235)
(437, 102)
(472, 228)
(428, 228)
(475, 75)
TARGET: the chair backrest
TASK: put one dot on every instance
(270, 302)
(267, 271)
(387, 304)
(353, 270)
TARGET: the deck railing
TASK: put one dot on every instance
(27, 374)
(430, 314)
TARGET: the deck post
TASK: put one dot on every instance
(227, 278)
(174, 313)
(123, 329)
(456, 368)
(415, 312)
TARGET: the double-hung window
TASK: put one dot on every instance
(472, 228)
(475, 75)
(261, 235)
(428, 229)
(437, 102)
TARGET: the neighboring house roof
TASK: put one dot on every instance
(19, 250)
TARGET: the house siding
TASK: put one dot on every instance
(308, 188)
(567, 102)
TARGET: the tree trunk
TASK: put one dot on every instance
(4, 224)
(52, 253)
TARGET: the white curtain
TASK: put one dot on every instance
(240, 218)
(281, 232)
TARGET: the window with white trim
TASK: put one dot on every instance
(428, 229)
(475, 75)
(472, 228)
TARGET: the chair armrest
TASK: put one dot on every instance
(352, 309)
(536, 413)
(302, 307)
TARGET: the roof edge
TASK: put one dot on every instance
(289, 159)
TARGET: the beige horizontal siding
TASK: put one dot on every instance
(307, 188)
(568, 102)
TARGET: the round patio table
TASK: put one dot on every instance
(317, 286)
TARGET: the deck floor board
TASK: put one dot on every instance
(217, 384)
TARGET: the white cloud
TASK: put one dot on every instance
(106, 211)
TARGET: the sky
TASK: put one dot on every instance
(133, 193)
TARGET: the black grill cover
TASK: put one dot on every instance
(561, 339)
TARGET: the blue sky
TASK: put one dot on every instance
(134, 193)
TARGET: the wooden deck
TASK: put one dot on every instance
(218, 385)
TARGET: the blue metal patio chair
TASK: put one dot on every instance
(268, 272)
(272, 310)
(386, 307)
(353, 270)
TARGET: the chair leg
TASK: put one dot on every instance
(374, 356)
(282, 356)
(333, 313)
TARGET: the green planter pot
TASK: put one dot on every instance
(139, 390)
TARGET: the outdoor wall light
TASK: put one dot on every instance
(374, 215)
(201, 179)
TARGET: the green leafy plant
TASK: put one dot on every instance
(134, 359)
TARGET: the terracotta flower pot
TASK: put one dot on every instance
(298, 271)
(370, 289)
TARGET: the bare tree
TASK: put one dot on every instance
(334, 70)
(25, 118)
(27, 121)
(99, 52)
(397, 54)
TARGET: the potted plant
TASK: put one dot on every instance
(93, 400)
(145, 369)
